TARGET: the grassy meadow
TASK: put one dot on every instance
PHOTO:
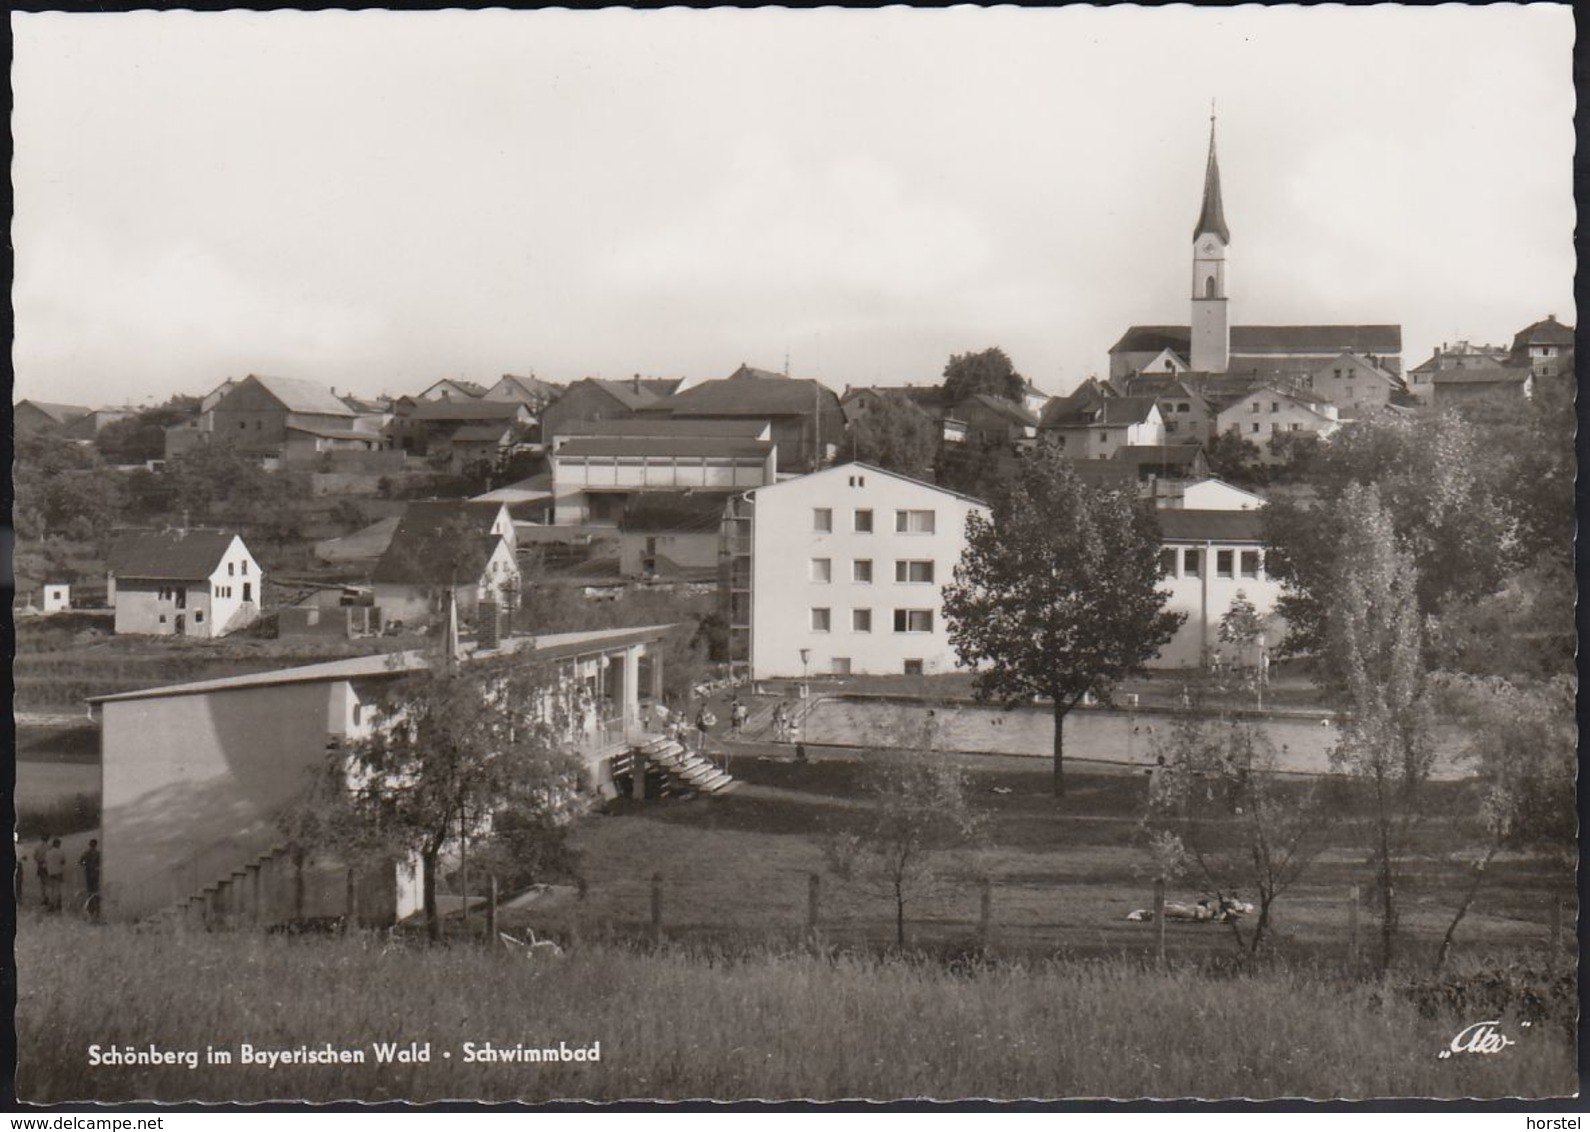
(700, 1021)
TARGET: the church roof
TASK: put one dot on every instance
(1378, 339)
(1213, 217)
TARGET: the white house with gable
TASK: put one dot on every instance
(841, 571)
(1207, 558)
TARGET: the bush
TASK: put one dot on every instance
(1540, 995)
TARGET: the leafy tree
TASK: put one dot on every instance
(1057, 595)
(61, 485)
(1235, 460)
(1521, 743)
(142, 437)
(1432, 478)
(457, 755)
(987, 371)
(894, 434)
(1220, 802)
(1241, 625)
(917, 811)
(981, 471)
(1372, 670)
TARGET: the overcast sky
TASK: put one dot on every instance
(377, 200)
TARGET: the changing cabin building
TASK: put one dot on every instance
(194, 777)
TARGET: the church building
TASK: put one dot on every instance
(1210, 345)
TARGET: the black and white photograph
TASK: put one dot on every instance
(812, 556)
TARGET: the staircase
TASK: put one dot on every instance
(683, 772)
(249, 894)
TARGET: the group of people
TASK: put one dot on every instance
(678, 725)
(48, 860)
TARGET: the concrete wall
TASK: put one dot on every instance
(786, 586)
(151, 608)
(192, 784)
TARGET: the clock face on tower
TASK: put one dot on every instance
(1209, 247)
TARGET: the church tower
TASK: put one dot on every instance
(1211, 337)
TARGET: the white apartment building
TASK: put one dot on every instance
(841, 572)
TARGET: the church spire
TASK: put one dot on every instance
(1213, 217)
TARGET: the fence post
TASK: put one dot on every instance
(1352, 929)
(656, 907)
(985, 912)
(813, 890)
(491, 912)
(1159, 919)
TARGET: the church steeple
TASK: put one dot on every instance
(1210, 347)
(1213, 217)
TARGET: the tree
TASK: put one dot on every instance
(1219, 801)
(1235, 460)
(1436, 479)
(987, 371)
(457, 754)
(1241, 626)
(894, 434)
(1058, 594)
(1372, 671)
(917, 812)
(1521, 742)
(142, 436)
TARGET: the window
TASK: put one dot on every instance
(821, 570)
(1275, 426)
(1349, 392)
(839, 666)
(820, 620)
(162, 618)
(861, 571)
(198, 616)
(1170, 426)
(913, 620)
(913, 522)
(861, 620)
(240, 424)
(1223, 563)
(1275, 406)
(864, 522)
(1250, 563)
(358, 714)
(1255, 427)
(231, 569)
(245, 569)
(1184, 407)
(823, 519)
(1167, 563)
(907, 570)
(1337, 374)
(1254, 406)
(1189, 563)
(1104, 438)
(913, 667)
(858, 481)
(1293, 427)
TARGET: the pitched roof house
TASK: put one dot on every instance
(805, 414)
(183, 583)
(593, 399)
(1540, 346)
(44, 416)
(1091, 425)
(529, 391)
(255, 414)
(444, 545)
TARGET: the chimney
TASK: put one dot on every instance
(635, 383)
(488, 625)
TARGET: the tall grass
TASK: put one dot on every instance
(763, 1022)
